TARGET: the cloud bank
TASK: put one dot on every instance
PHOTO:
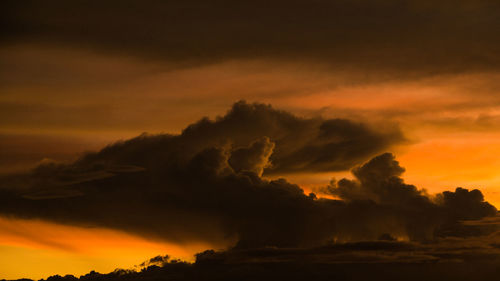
(376, 260)
(206, 184)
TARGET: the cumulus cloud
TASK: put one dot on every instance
(253, 158)
(205, 184)
(379, 180)
(299, 144)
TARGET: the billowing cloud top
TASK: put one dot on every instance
(260, 136)
(206, 184)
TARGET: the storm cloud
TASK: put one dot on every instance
(205, 184)
(257, 130)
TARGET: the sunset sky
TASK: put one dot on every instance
(418, 79)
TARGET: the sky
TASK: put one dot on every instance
(308, 91)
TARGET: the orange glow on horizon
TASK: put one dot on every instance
(38, 249)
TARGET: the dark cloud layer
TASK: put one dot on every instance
(419, 37)
(205, 184)
(350, 261)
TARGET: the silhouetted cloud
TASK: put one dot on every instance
(298, 144)
(205, 184)
(350, 261)
(158, 261)
(379, 180)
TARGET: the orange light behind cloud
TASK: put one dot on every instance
(443, 154)
(38, 249)
(459, 160)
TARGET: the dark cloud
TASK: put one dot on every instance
(379, 180)
(350, 261)
(205, 184)
(466, 204)
(158, 260)
(419, 37)
(253, 158)
(297, 144)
